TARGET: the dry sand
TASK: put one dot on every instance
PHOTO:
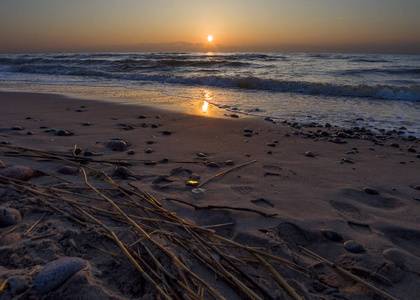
(291, 198)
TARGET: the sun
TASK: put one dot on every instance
(209, 38)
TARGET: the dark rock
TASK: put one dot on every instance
(123, 172)
(86, 123)
(56, 272)
(416, 187)
(117, 145)
(309, 154)
(141, 117)
(411, 149)
(370, 191)
(18, 172)
(327, 125)
(148, 151)
(154, 125)
(229, 162)
(150, 163)
(158, 117)
(332, 235)
(247, 134)
(62, 132)
(347, 160)
(354, 247)
(164, 160)
(248, 131)
(270, 145)
(201, 154)
(234, 116)
(68, 170)
(396, 256)
(17, 285)
(9, 239)
(167, 132)
(30, 133)
(213, 165)
(77, 151)
(17, 128)
(9, 216)
(131, 152)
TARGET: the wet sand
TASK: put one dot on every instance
(350, 197)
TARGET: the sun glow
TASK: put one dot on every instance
(209, 38)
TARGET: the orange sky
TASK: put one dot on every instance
(163, 25)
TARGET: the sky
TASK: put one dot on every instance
(378, 26)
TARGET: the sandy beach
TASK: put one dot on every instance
(348, 195)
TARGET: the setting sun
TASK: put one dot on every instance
(209, 38)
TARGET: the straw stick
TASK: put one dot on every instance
(33, 226)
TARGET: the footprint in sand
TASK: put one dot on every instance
(359, 227)
(292, 234)
(405, 238)
(346, 210)
(376, 201)
(244, 189)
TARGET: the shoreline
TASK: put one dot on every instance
(308, 179)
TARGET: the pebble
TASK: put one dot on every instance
(347, 160)
(213, 165)
(269, 152)
(270, 145)
(68, 170)
(370, 191)
(141, 117)
(201, 154)
(123, 172)
(30, 133)
(9, 216)
(396, 256)
(411, 149)
(309, 154)
(229, 162)
(148, 151)
(9, 239)
(354, 247)
(131, 152)
(56, 272)
(17, 128)
(17, 285)
(117, 145)
(77, 151)
(234, 116)
(62, 132)
(416, 187)
(247, 134)
(86, 123)
(167, 132)
(18, 172)
(332, 235)
(150, 163)
(150, 142)
(164, 160)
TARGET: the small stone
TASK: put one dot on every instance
(150, 163)
(201, 154)
(148, 151)
(164, 160)
(411, 149)
(213, 165)
(18, 172)
(9, 216)
(248, 130)
(117, 145)
(269, 152)
(327, 125)
(342, 135)
(354, 247)
(62, 132)
(347, 160)
(416, 187)
(192, 183)
(154, 125)
(141, 117)
(86, 123)
(17, 128)
(77, 151)
(332, 235)
(158, 117)
(56, 272)
(270, 145)
(396, 256)
(350, 152)
(167, 132)
(309, 154)
(229, 162)
(235, 116)
(9, 239)
(336, 140)
(247, 134)
(68, 170)
(131, 152)
(17, 285)
(30, 133)
(370, 191)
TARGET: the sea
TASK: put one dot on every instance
(376, 91)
